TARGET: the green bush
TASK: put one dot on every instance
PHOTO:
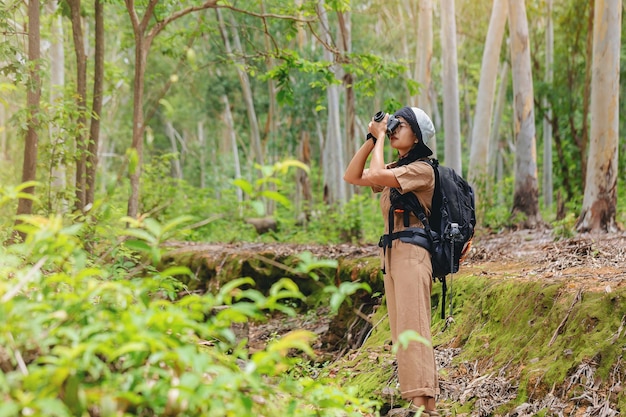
(82, 335)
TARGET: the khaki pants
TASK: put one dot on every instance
(408, 283)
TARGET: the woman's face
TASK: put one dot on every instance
(403, 137)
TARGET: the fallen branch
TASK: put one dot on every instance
(559, 329)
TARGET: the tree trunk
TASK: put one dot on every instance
(349, 144)
(96, 109)
(57, 84)
(142, 46)
(424, 54)
(494, 139)
(547, 124)
(526, 193)
(304, 192)
(33, 95)
(451, 118)
(334, 186)
(81, 101)
(479, 151)
(202, 143)
(255, 135)
(143, 35)
(230, 125)
(177, 171)
(583, 139)
(4, 154)
(600, 199)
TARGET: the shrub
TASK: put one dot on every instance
(80, 336)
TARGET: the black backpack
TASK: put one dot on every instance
(450, 226)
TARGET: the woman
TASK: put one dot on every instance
(407, 267)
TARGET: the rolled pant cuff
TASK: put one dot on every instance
(421, 392)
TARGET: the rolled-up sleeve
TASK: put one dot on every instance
(415, 177)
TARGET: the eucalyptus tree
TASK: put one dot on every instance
(333, 151)
(451, 118)
(479, 150)
(568, 97)
(548, 185)
(600, 199)
(423, 60)
(57, 84)
(526, 192)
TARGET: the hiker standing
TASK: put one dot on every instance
(406, 267)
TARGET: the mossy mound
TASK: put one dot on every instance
(536, 339)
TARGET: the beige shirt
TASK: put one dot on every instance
(417, 177)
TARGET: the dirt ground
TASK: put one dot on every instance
(595, 262)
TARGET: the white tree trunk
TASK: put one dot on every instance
(600, 199)
(255, 134)
(526, 193)
(4, 152)
(230, 126)
(424, 53)
(202, 143)
(451, 118)
(547, 126)
(494, 139)
(171, 134)
(334, 186)
(423, 60)
(57, 84)
(345, 28)
(479, 151)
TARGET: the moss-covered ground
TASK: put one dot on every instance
(542, 330)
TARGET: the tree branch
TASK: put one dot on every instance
(159, 26)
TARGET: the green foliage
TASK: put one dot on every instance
(77, 338)
(566, 227)
(261, 190)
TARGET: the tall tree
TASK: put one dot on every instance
(424, 53)
(345, 30)
(451, 118)
(81, 102)
(145, 29)
(91, 157)
(333, 155)
(33, 96)
(526, 192)
(57, 84)
(479, 151)
(547, 126)
(600, 199)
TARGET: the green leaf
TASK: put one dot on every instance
(407, 337)
(245, 186)
(138, 245)
(9, 409)
(141, 234)
(173, 224)
(176, 271)
(297, 339)
(226, 292)
(278, 197)
(258, 207)
(284, 166)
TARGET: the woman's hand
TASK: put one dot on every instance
(378, 129)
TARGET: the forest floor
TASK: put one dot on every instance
(586, 262)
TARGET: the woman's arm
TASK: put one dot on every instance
(377, 174)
